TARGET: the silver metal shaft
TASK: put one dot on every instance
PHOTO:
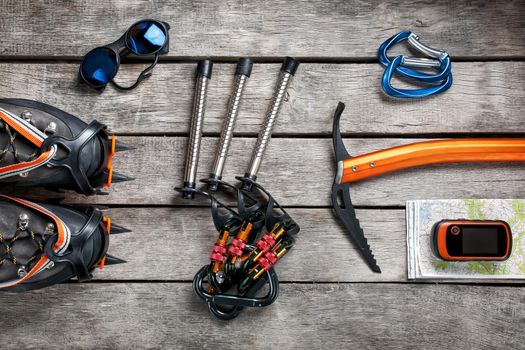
(285, 77)
(197, 121)
(266, 131)
(239, 83)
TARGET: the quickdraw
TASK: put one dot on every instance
(351, 169)
(253, 238)
(439, 60)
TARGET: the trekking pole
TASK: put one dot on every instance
(288, 70)
(204, 69)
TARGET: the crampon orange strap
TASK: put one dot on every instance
(106, 220)
(110, 161)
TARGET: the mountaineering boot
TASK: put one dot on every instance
(41, 145)
(44, 244)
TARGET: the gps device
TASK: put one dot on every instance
(472, 240)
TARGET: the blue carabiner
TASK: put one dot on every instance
(394, 65)
(443, 65)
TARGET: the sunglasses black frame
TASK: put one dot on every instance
(121, 49)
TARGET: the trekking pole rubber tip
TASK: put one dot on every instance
(204, 68)
(290, 65)
(244, 67)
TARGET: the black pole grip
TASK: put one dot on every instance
(204, 68)
(244, 67)
(290, 65)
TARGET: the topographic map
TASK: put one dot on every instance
(424, 264)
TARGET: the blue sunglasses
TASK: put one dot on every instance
(146, 37)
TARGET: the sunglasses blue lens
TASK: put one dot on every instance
(99, 66)
(146, 37)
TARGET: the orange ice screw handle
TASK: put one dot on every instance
(430, 152)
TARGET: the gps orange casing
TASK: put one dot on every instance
(444, 227)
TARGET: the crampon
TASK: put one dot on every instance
(44, 244)
(42, 146)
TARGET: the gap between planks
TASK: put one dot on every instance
(255, 59)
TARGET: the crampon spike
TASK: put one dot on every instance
(121, 147)
(117, 177)
(112, 260)
(116, 229)
(101, 193)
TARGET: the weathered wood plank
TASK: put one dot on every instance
(328, 316)
(173, 243)
(486, 98)
(335, 29)
(299, 172)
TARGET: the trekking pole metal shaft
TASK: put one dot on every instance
(242, 74)
(288, 70)
(204, 69)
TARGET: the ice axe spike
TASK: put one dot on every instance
(341, 200)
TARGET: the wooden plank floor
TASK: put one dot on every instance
(329, 298)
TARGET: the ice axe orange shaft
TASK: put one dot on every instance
(432, 152)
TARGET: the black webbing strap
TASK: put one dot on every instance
(74, 148)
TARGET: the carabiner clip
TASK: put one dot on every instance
(236, 302)
(406, 93)
(439, 59)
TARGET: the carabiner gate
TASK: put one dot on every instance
(413, 40)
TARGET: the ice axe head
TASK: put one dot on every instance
(341, 200)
